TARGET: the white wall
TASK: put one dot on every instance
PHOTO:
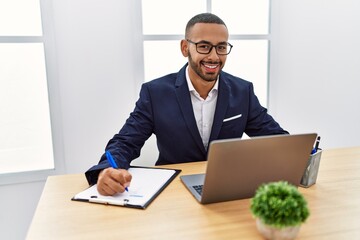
(314, 57)
(17, 206)
(97, 75)
(315, 68)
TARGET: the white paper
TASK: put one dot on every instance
(145, 183)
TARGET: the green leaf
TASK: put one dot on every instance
(279, 204)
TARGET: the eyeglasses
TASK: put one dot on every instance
(204, 47)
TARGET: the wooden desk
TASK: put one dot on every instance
(334, 204)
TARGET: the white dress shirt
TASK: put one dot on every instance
(204, 109)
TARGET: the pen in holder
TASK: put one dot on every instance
(312, 169)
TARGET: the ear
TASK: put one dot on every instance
(184, 48)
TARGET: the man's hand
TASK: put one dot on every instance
(112, 181)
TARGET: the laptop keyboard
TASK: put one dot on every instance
(198, 188)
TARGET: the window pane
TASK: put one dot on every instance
(161, 58)
(249, 60)
(25, 139)
(169, 17)
(20, 18)
(243, 16)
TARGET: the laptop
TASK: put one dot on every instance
(237, 167)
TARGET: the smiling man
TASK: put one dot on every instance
(187, 110)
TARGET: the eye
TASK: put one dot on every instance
(203, 46)
(222, 47)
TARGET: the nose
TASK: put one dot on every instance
(213, 54)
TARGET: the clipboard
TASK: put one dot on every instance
(146, 184)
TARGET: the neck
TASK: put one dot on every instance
(203, 87)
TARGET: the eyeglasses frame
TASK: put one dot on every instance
(212, 46)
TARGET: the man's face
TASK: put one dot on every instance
(205, 66)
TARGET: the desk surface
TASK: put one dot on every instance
(334, 203)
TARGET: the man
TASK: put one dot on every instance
(188, 109)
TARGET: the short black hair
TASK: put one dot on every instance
(203, 18)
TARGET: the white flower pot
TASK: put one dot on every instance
(272, 233)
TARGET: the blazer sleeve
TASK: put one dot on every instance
(260, 123)
(125, 146)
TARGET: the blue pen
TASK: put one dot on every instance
(315, 149)
(112, 163)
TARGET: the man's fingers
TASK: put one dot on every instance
(127, 178)
(104, 189)
(112, 181)
(121, 176)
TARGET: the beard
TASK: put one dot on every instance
(209, 77)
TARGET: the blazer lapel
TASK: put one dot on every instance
(221, 107)
(183, 96)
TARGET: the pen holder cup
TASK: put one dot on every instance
(312, 169)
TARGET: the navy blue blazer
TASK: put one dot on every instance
(164, 108)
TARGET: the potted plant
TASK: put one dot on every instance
(279, 209)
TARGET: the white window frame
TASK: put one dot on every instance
(54, 98)
(160, 37)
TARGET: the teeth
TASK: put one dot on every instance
(208, 66)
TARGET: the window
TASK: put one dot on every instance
(26, 141)
(248, 24)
